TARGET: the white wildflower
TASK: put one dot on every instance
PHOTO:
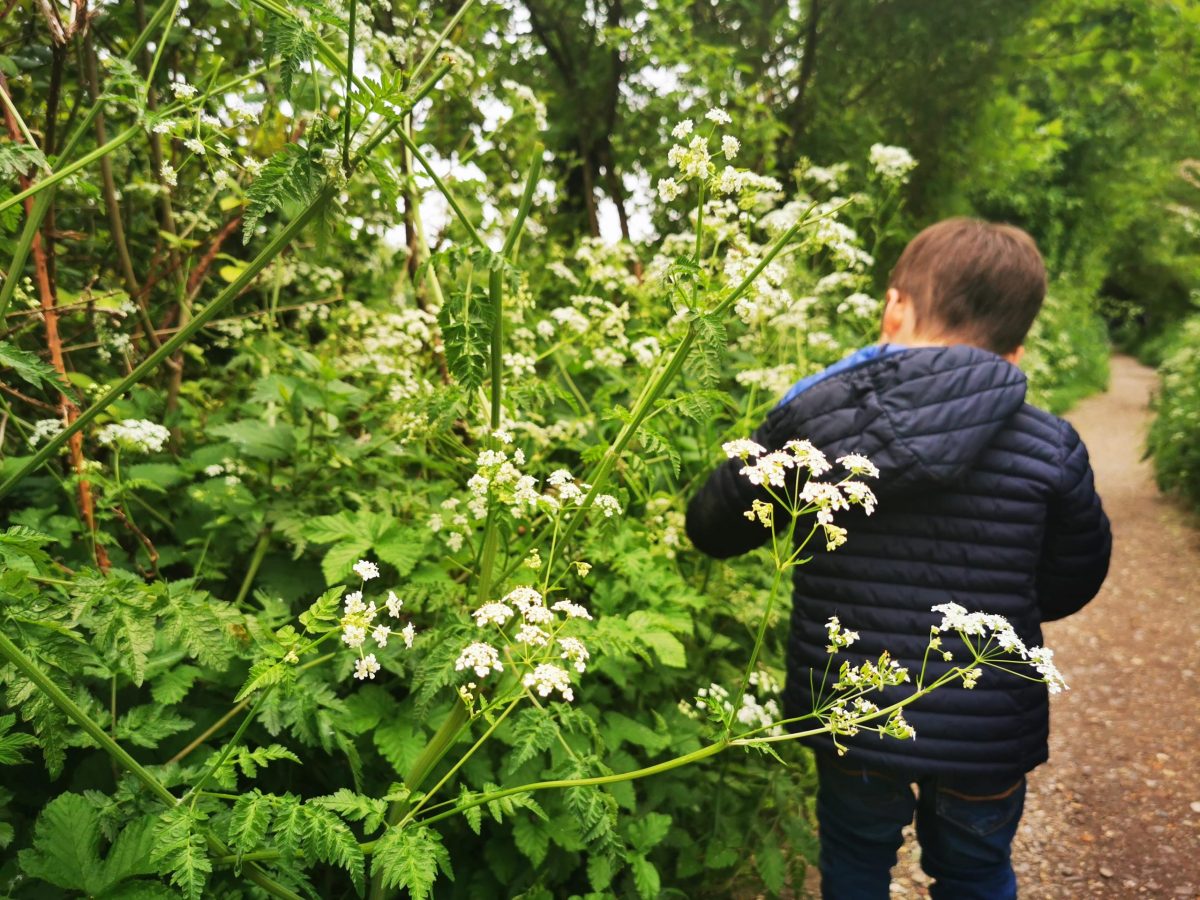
(139, 435)
(393, 604)
(730, 146)
(857, 464)
(547, 678)
(718, 115)
(408, 633)
(183, 91)
(492, 613)
(44, 430)
(366, 570)
(366, 667)
(574, 651)
(571, 610)
(741, 448)
(482, 658)
(532, 635)
(169, 175)
(669, 189)
(893, 163)
(195, 146)
(354, 635)
(683, 129)
(608, 504)
(354, 603)
(380, 635)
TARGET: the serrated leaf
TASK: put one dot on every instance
(250, 819)
(645, 877)
(66, 844)
(149, 725)
(411, 858)
(771, 865)
(708, 358)
(648, 830)
(371, 811)
(400, 743)
(173, 685)
(531, 839)
(180, 851)
(330, 840)
(600, 871)
(533, 732)
(293, 175)
(11, 745)
(473, 814)
(290, 39)
(30, 368)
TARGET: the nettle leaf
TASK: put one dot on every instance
(251, 817)
(532, 839)
(291, 40)
(66, 850)
(645, 877)
(29, 366)
(11, 745)
(180, 851)
(293, 175)
(411, 858)
(66, 844)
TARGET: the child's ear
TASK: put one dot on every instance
(893, 315)
(1015, 356)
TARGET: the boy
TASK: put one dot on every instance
(985, 501)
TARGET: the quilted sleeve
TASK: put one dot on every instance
(716, 521)
(1078, 542)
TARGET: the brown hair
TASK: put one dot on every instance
(975, 280)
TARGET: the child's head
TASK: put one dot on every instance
(966, 281)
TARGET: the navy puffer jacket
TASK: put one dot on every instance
(984, 501)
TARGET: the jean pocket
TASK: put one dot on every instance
(981, 814)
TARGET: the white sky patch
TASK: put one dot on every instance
(639, 205)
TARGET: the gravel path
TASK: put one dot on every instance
(1115, 813)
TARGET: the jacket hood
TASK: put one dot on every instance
(922, 415)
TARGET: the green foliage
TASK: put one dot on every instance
(292, 176)
(411, 857)
(1174, 436)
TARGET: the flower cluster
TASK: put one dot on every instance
(136, 435)
(358, 622)
(771, 469)
(892, 163)
(537, 645)
(757, 715)
(990, 627)
(694, 160)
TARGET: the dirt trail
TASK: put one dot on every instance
(1115, 813)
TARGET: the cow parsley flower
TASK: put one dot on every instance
(482, 658)
(138, 435)
(366, 570)
(393, 604)
(354, 603)
(718, 115)
(354, 635)
(380, 635)
(532, 635)
(741, 448)
(44, 430)
(182, 90)
(669, 189)
(366, 667)
(683, 129)
(195, 146)
(408, 633)
(608, 505)
(839, 638)
(572, 610)
(730, 146)
(892, 163)
(574, 651)
(546, 678)
(857, 464)
(492, 613)
(808, 456)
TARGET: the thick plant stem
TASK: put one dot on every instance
(260, 552)
(346, 168)
(151, 362)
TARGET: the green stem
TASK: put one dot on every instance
(442, 188)
(230, 746)
(260, 551)
(273, 249)
(349, 89)
(461, 762)
(441, 38)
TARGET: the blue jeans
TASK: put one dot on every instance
(965, 825)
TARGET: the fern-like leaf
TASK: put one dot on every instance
(179, 851)
(251, 818)
(330, 840)
(293, 175)
(411, 858)
(291, 40)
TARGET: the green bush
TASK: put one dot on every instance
(1067, 351)
(1174, 439)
